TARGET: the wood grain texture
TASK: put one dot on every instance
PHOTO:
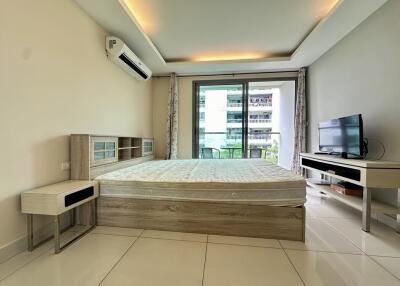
(80, 157)
(50, 200)
(373, 174)
(83, 165)
(201, 217)
(374, 164)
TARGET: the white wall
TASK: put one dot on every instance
(286, 124)
(361, 75)
(56, 80)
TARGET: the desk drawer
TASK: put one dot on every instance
(78, 196)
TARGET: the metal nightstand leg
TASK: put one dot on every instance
(29, 218)
(57, 247)
(366, 210)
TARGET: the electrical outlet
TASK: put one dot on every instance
(65, 166)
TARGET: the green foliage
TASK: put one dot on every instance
(272, 152)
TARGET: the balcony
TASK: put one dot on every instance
(234, 104)
(251, 104)
(260, 120)
(269, 142)
(259, 137)
(234, 120)
(260, 104)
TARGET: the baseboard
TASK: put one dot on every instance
(20, 245)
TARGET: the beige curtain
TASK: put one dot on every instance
(171, 152)
(300, 123)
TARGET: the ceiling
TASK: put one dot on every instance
(185, 30)
(232, 36)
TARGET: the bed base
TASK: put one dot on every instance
(286, 223)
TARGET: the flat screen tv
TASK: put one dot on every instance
(342, 136)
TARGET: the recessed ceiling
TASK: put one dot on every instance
(207, 30)
(229, 36)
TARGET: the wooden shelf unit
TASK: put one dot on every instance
(93, 155)
(366, 173)
(354, 201)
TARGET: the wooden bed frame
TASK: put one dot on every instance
(203, 217)
(223, 218)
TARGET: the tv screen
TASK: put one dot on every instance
(342, 135)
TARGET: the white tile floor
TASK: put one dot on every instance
(336, 252)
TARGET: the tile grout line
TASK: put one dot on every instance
(344, 236)
(363, 252)
(204, 264)
(25, 264)
(324, 251)
(247, 245)
(291, 263)
(257, 246)
(119, 260)
(382, 256)
(384, 268)
(174, 239)
(50, 247)
(114, 234)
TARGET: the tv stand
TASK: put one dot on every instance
(365, 173)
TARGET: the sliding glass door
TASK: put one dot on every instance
(219, 121)
(244, 119)
(262, 120)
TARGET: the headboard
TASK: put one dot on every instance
(94, 155)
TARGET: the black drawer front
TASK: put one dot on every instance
(349, 173)
(78, 196)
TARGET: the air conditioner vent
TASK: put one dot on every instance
(121, 55)
(126, 60)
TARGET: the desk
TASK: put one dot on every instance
(365, 173)
(54, 200)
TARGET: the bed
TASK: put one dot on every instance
(247, 197)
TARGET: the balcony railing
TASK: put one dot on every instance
(233, 120)
(260, 136)
(234, 137)
(234, 104)
(255, 104)
(251, 104)
(260, 120)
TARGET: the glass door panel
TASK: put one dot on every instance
(245, 119)
(262, 103)
(220, 121)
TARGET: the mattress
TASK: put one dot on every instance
(249, 181)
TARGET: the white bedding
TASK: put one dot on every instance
(239, 181)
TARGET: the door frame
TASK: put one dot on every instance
(245, 106)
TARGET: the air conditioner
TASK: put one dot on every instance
(120, 54)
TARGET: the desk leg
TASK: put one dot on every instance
(57, 247)
(366, 210)
(29, 223)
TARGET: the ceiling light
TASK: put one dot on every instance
(228, 57)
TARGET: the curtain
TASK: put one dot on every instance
(172, 120)
(300, 122)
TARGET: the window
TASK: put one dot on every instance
(234, 116)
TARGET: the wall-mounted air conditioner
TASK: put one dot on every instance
(120, 54)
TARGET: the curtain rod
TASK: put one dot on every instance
(221, 74)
